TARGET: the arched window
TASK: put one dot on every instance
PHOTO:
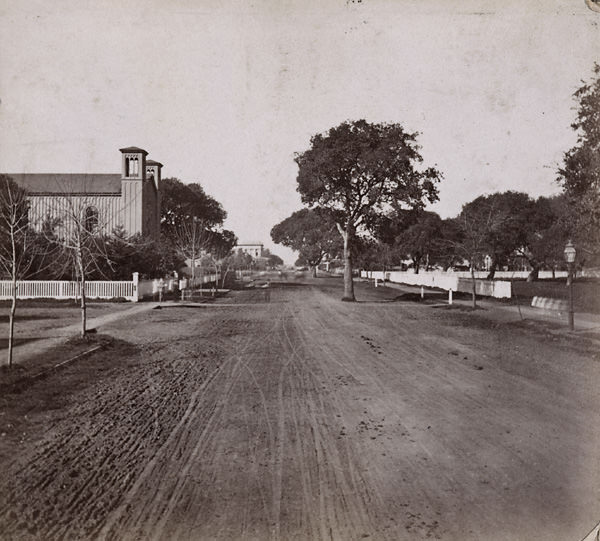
(131, 166)
(91, 219)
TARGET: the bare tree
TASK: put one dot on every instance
(15, 257)
(80, 232)
(475, 224)
(193, 239)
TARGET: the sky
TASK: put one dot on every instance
(225, 92)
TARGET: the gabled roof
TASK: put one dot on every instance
(56, 183)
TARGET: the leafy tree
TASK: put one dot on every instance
(360, 171)
(269, 260)
(388, 227)
(386, 251)
(502, 218)
(546, 234)
(423, 240)
(128, 254)
(474, 224)
(275, 261)
(447, 255)
(181, 202)
(222, 243)
(372, 254)
(239, 260)
(310, 232)
(580, 174)
(49, 259)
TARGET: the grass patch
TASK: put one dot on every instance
(586, 292)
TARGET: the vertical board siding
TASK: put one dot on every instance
(63, 207)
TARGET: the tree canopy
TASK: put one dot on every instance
(182, 202)
(423, 240)
(580, 173)
(360, 171)
(545, 233)
(501, 223)
(310, 232)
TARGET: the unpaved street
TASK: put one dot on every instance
(305, 418)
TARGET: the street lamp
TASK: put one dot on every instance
(570, 254)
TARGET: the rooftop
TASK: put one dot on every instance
(54, 183)
(133, 149)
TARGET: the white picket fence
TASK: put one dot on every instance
(131, 290)
(59, 289)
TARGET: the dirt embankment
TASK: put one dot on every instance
(307, 418)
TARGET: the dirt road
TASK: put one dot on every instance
(305, 418)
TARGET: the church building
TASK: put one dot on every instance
(101, 201)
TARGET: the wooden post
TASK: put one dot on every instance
(450, 297)
(571, 308)
(136, 291)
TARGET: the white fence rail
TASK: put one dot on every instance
(131, 290)
(446, 281)
(509, 275)
(40, 289)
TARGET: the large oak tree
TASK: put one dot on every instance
(360, 171)
(310, 232)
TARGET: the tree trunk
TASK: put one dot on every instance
(348, 282)
(223, 278)
(313, 269)
(416, 265)
(11, 321)
(534, 274)
(473, 287)
(193, 276)
(13, 305)
(493, 268)
(83, 299)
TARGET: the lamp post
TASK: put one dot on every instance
(570, 254)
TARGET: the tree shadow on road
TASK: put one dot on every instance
(18, 341)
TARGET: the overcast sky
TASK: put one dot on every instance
(225, 92)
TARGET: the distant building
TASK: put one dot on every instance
(106, 201)
(255, 249)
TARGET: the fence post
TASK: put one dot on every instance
(136, 281)
(450, 296)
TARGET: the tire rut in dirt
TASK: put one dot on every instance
(65, 486)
